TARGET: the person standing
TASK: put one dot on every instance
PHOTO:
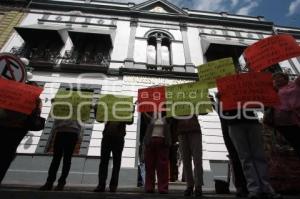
(286, 115)
(66, 136)
(112, 141)
(246, 134)
(14, 126)
(237, 170)
(190, 144)
(157, 141)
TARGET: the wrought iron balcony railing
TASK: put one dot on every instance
(37, 55)
(86, 58)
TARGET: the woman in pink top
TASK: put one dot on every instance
(287, 113)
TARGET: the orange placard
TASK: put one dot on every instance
(17, 96)
(271, 50)
(151, 99)
(247, 90)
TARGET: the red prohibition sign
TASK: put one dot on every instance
(12, 68)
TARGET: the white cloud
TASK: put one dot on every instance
(234, 3)
(212, 5)
(247, 9)
(294, 7)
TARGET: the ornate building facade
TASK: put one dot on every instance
(117, 48)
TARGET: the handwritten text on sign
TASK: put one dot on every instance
(74, 105)
(215, 69)
(18, 97)
(271, 50)
(114, 108)
(151, 99)
(187, 99)
(247, 88)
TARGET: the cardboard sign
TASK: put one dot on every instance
(12, 68)
(271, 50)
(151, 99)
(74, 105)
(17, 96)
(247, 89)
(115, 108)
(187, 99)
(210, 71)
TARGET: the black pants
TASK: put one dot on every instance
(10, 140)
(240, 182)
(292, 136)
(173, 163)
(64, 145)
(115, 145)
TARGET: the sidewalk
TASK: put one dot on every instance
(32, 192)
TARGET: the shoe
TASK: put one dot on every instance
(188, 192)
(112, 189)
(255, 196)
(241, 193)
(163, 192)
(60, 187)
(46, 187)
(149, 191)
(99, 189)
(198, 192)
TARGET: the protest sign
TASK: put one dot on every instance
(17, 96)
(249, 89)
(74, 105)
(115, 108)
(271, 50)
(187, 99)
(151, 99)
(210, 71)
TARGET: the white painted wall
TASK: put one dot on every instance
(140, 50)
(121, 41)
(195, 46)
(141, 31)
(177, 53)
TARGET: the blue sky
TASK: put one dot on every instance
(281, 12)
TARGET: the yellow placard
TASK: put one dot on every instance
(213, 70)
(74, 105)
(114, 108)
(187, 99)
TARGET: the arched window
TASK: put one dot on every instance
(159, 49)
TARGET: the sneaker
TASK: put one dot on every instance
(188, 192)
(99, 189)
(46, 187)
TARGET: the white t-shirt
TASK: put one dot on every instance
(158, 129)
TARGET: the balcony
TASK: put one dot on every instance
(74, 60)
(166, 68)
(39, 58)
